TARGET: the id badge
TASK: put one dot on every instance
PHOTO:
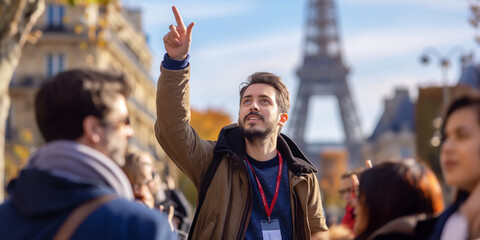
(271, 230)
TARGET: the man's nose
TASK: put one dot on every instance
(254, 106)
(129, 132)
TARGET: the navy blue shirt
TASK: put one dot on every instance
(267, 175)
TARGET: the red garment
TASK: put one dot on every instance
(349, 218)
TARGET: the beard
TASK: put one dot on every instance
(118, 157)
(115, 148)
(253, 135)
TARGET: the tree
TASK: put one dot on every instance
(209, 123)
(18, 18)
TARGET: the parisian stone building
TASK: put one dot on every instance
(394, 136)
(101, 37)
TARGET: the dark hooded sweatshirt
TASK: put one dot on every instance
(39, 203)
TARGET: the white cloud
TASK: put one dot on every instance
(255, 44)
(160, 12)
(381, 43)
(428, 4)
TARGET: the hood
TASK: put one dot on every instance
(231, 141)
(36, 193)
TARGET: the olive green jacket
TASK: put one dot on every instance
(226, 210)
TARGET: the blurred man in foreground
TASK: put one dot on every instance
(73, 187)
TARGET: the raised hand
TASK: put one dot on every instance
(356, 182)
(368, 164)
(177, 41)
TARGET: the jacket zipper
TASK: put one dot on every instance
(247, 209)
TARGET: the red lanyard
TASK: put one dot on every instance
(269, 210)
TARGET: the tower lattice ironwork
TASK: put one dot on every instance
(323, 73)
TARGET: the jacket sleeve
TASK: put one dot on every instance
(316, 216)
(180, 141)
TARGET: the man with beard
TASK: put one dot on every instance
(73, 187)
(263, 187)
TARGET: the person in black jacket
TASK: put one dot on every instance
(182, 208)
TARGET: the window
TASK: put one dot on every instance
(55, 63)
(406, 152)
(9, 131)
(55, 15)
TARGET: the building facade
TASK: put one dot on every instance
(394, 136)
(104, 37)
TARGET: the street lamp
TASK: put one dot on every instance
(444, 62)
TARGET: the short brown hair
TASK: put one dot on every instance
(282, 96)
(63, 102)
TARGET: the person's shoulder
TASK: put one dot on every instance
(124, 208)
(311, 177)
(7, 212)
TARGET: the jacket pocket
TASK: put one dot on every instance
(207, 231)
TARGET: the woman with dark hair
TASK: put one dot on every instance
(393, 197)
(460, 162)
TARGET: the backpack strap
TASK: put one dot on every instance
(203, 189)
(79, 215)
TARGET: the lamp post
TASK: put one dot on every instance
(444, 62)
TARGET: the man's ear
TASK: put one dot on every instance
(283, 119)
(90, 129)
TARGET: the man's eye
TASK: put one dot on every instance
(247, 101)
(462, 135)
(265, 101)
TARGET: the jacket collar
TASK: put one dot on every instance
(231, 140)
(402, 225)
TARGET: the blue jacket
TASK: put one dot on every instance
(39, 203)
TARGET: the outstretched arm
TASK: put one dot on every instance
(182, 144)
(177, 41)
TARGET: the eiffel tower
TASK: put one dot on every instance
(323, 73)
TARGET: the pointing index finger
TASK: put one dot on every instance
(354, 179)
(178, 18)
(368, 163)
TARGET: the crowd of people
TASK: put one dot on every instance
(403, 199)
(157, 191)
(253, 182)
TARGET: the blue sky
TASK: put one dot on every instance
(382, 41)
